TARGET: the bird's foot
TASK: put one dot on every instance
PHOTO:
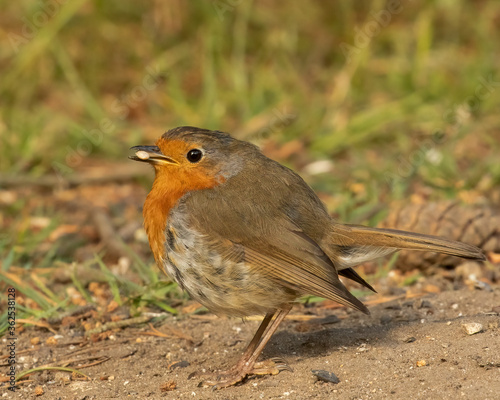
(273, 366)
(238, 373)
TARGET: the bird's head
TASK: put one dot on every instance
(188, 158)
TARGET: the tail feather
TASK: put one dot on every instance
(350, 245)
(354, 276)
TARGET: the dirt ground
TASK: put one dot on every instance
(406, 349)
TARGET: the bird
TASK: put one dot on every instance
(245, 235)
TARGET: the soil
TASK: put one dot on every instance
(406, 349)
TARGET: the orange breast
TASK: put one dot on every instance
(171, 183)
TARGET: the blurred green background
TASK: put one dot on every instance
(370, 101)
(128, 71)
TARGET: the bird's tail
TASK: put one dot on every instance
(350, 245)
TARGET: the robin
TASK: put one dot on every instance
(244, 235)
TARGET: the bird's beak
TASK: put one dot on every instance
(152, 155)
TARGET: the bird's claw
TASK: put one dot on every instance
(234, 376)
(272, 366)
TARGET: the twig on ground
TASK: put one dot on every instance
(174, 333)
(77, 312)
(118, 324)
(122, 174)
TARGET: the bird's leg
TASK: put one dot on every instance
(247, 364)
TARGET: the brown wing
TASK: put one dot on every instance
(302, 276)
(287, 256)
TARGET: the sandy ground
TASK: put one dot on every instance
(378, 356)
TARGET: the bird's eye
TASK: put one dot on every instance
(194, 155)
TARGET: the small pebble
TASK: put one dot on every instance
(142, 155)
(411, 339)
(480, 285)
(425, 304)
(472, 328)
(421, 363)
(178, 364)
(325, 376)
